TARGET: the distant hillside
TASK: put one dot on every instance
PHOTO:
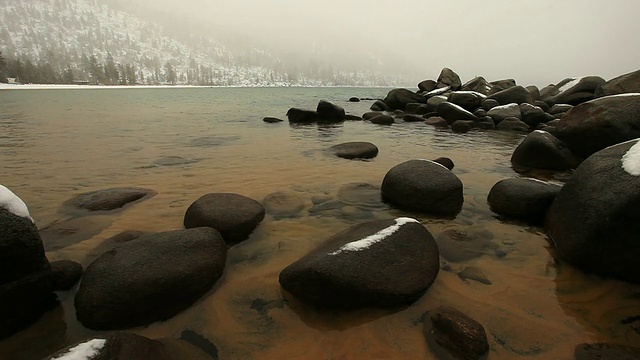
(65, 41)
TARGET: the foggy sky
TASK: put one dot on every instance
(536, 42)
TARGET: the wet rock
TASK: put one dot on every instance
(463, 126)
(412, 118)
(486, 123)
(541, 150)
(330, 112)
(573, 91)
(327, 208)
(489, 104)
(106, 199)
(513, 124)
(214, 140)
(468, 100)
(65, 274)
(427, 85)
(452, 112)
(594, 222)
(606, 351)
(302, 116)
(360, 194)
(525, 199)
(130, 346)
(283, 204)
(371, 114)
(382, 120)
(458, 246)
(499, 113)
(272, 120)
(477, 84)
(109, 244)
(172, 161)
(597, 124)
(381, 263)
(533, 115)
(445, 161)
(424, 186)
(70, 232)
(166, 272)
(352, 117)
(623, 84)
(379, 105)
(448, 78)
(515, 94)
(234, 216)
(436, 121)
(534, 91)
(21, 249)
(354, 99)
(462, 336)
(475, 274)
(399, 98)
(355, 150)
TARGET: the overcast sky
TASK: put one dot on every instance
(536, 41)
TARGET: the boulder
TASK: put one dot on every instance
(489, 104)
(523, 199)
(515, 94)
(512, 124)
(354, 99)
(463, 337)
(438, 92)
(573, 91)
(480, 112)
(627, 83)
(427, 85)
(462, 126)
(360, 194)
(457, 246)
(533, 115)
(106, 199)
(594, 221)
(356, 150)
(382, 263)
(412, 118)
(541, 150)
(477, 84)
(151, 278)
(468, 100)
(534, 91)
(424, 186)
(445, 161)
(21, 249)
(122, 345)
(412, 108)
(448, 78)
(109, 244)
(65, 274)
(283, 204)
(436, 121)
(559, 109)
(499, 85)
(594, 125)
(605, 352)
(352, 117)
(59, 235)
(486, 123)
(382, 120)
(234, 216)
(542, 105)
(452, 112)
(379, 105)
(330, 112)
(399, 98)
(500, 113)
(272, 120)
(302, 116)
(371, 114)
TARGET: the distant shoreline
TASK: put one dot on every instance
(4, 86)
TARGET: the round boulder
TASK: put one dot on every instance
(329, 111)
(516, 94)
(594, 221)
(234, 216)
(436, 121)
(106, 199)
(283, 204)
(381, 263)
(524, 199)
(512, 124)
(468, 100)
(379, 105)
(452, 112)
(627, 83)
(382, 120)
(399, 98)
(425, 186)
(151, 278)
(66, 274)
(460, 335)
(541, 150)
(594, 125)
(502, 112)
(355, 150)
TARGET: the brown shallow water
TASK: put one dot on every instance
(55, 144)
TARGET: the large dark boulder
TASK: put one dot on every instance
(382, 120)
(399, 98)
(424, 186)
(330, 112)
(534, 115)
(524, 199)
(594, 221)
(594, 125)
(541, 150)
(106, 199)
(356, 150)
(462, 126)
(463, 337)
(427, 85)
(302, 116)
(573, 91)
(477, 84)
(379, 105)
(383, 263)
(502, 112)
(121, 346)
(515, 94)
(468, 100)
(499, 85)
(627, 83)
(452, 112)
(151, 278)
(21, 249)
(234, 216)
(65, 274)
(512, 124)
(448, 78)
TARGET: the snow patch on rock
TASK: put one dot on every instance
(12, 203)
(631, 160)
(84, 351)
(365, 243)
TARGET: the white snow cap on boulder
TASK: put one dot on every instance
(631, 160)
(365, 243)
(12, 203)
(84, 351)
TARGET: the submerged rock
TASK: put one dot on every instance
(425, 186)
(234, 216)
(382, 263)
(462, 336)
(525, 199)
(606, 351)
(457, 246)
(166, 272)
(382, 120)
(272, 120)
(283, 204)
(355, 150)
(106, 199)
(594, 221)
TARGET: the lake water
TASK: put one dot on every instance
(55, 144)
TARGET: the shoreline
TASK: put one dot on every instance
(4, 86)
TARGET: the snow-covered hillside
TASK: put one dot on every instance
(85, 40)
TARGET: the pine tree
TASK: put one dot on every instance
(3, 68)
(68, 75)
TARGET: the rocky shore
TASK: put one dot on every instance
(586, 127)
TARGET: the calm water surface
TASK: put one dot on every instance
(55, 144)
